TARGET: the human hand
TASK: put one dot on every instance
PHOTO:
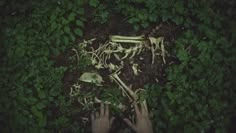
(143, 123)
(101, 122)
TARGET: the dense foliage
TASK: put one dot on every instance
(31, 84)
(199, 92)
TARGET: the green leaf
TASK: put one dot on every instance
(32, 100)
(67, 29)
(183, 55)
(136, 27)
(179, 7)
(40, 117)
(41, 94)
(53, 18)
(36, 112)
(66, 40)
(40, 105)
(79, 23)
(72, 37)
(78, 32)
(71, 17)
(20, 51)
(93, 3)
(79, 2)
(80, 11)
(64, 21)
(53, 26)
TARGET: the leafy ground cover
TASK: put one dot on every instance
(196, 87)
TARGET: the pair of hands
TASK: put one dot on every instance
(101, 123)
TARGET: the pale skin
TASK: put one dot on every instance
(101, 123)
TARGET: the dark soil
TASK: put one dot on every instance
(117, 26)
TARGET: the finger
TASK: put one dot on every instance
(111, 120)
(102, 109)
(136, 108)
(107, 110)
(96, 114)
(143, 108)
(130, 124)
(92, 118)
(145, 105)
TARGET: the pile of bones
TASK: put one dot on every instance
(121, 48)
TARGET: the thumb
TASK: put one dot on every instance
(111, 120)
(129, 123)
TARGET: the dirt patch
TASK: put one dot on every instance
(116, 25)
(151, 73)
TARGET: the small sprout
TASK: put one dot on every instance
(91, 78)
